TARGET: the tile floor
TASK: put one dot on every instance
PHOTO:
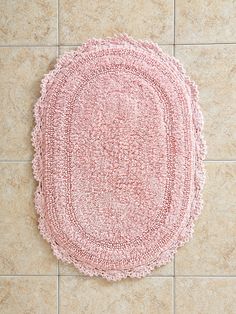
(202, 278)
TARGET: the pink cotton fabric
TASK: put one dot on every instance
(119, 156)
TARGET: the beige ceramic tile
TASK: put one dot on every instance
(63, 49)
(21, 70)
(68, 269)
(212, 249)
(28, 22)
(149, 19)
(139, 296)
(166, 48)
(205, 295)
(22, 248)
(214, 70)
(28, 295)
(205, 21)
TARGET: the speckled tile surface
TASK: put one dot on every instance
(205, 21)
(205, 295)
(32, 294)
(80, 20)
(19, 91)
(213, 67)
(23, 250)
(213, 252)
(28, 22)
(201, 34)
(148, 295)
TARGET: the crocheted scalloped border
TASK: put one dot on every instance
(201, 151)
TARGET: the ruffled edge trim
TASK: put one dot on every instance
(200, 174)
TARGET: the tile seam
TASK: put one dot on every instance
(79, 44)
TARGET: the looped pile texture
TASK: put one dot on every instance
(118, 156)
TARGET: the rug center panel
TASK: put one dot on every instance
(119, 157)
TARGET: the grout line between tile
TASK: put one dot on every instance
(28, 46)
(174, 27)
(206, 276)
(16, 161)
(173, 294)
(79, 44)
(58, 300)
(58, 32)
(211, 160)
(26, 275)
(203, 44)
(70, 45)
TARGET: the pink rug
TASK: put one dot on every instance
(118, 156)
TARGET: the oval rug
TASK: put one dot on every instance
(119, 156)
